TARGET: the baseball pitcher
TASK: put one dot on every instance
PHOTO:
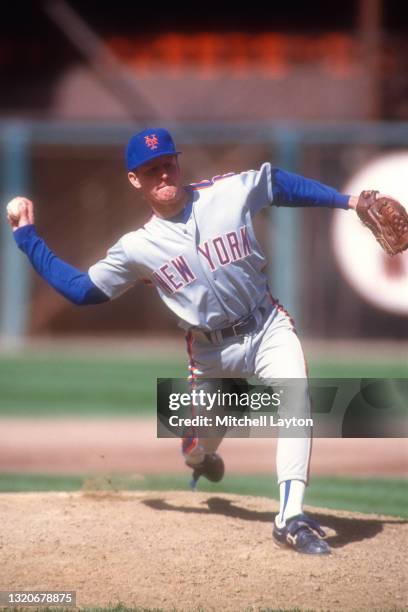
(199, 250)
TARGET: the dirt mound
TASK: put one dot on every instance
(185, 550)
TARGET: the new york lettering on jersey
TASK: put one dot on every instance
(199, 260)
(219, 251)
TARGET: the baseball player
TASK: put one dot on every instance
(199, 250)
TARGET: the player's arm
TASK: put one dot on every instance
(276, 187)
(74, 285)
(290, 189)
(384, 216)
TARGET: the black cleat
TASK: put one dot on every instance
(212, 467)
(302, 534)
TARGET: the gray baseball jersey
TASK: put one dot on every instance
(205, 262)
(209, 269)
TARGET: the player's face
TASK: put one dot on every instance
(159, 180)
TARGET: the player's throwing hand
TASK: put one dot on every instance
(20, 212)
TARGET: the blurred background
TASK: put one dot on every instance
(317, 88)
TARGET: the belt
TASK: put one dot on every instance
(244, 326)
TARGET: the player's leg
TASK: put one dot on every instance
(279, 355)
(201, 441)
(204, 363)
(209, 361)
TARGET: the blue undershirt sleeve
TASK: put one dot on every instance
(291, 189)
(73, 284)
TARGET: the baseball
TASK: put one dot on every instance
(13, 207)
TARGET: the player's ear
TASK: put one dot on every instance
(134, 180)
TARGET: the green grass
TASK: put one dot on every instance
(55, 386)
(370, 495)
(358, 369)
(59, 385)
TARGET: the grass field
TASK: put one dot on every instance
(55, 385)
(72, 385)
(370, 495)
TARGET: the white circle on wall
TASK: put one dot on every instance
(380, 279)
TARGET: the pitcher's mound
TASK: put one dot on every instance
(187, 550)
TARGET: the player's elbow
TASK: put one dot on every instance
(92, 297)
(84, 293)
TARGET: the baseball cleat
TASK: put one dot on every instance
(212, 467)
(303, 535)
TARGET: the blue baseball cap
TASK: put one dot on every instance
(148, 144)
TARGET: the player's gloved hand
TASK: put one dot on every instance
(386, 218)
(20, 212)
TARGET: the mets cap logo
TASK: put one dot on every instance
(152, 141)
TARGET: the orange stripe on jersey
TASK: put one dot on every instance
(222, 176)
(190, 439)
(210, 182)
(191, 366)
(202, 185)
(279, 306)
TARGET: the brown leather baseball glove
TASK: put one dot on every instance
(386, 218)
